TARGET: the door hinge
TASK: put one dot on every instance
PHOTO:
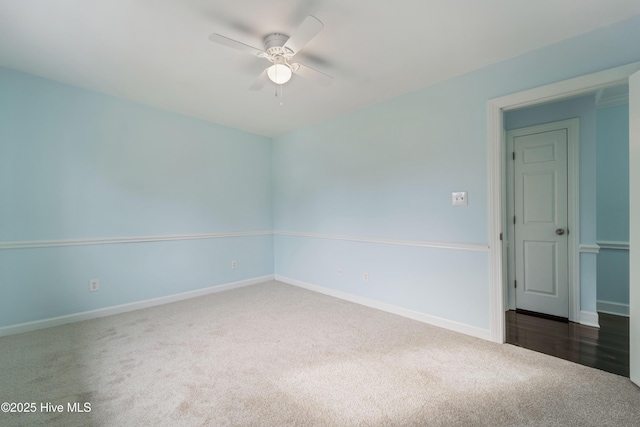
(515, 284)
(514, 219)
(500, 236)
(513, 155)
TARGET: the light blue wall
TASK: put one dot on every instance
(388, 171)
(75, 164)
(613, 173)
(583, 108)
(613, 276)
(613, 202)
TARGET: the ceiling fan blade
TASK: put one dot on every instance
(226, 41)
(311, 74)
(309, 28)
(260, 81)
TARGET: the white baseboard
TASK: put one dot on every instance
(474, 331)
(117, 309)
(616, 308)
(589, 318)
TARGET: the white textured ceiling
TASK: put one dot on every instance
(157, 52)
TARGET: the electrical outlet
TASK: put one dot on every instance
(365, 277)
(459, 198)
(340, 271)
(234, 264)
(94, 285)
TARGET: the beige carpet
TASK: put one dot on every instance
(273, 355)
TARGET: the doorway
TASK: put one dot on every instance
(538, 188)
(497, 215)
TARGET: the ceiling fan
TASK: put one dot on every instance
(280, 50)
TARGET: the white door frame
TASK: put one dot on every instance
(573, 215)
(496, 168)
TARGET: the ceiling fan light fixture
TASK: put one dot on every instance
(280, 49)
(279, 73)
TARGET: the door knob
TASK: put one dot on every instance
(560, 231)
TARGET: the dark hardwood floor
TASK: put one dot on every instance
(606, 348)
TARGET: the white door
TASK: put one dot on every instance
(634, 234)
(540, 219)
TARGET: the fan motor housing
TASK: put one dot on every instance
(274, 40)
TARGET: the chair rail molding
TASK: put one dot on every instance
(621, 246)
(362, 239)
(25, 244)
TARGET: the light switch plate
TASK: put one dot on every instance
(459, 198)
